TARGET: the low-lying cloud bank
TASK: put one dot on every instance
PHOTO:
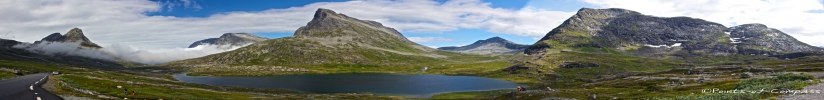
(125, 52)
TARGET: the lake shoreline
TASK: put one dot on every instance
(382, 84)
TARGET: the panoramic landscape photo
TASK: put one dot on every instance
(411, 49)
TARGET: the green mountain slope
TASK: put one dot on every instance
(330, 43)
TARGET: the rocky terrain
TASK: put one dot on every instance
(494, 45)
(74, 35)
(759, 39)
(628, 32)
(230, 39)
(814, 92)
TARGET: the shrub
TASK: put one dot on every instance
(786, 81)
(793, 77)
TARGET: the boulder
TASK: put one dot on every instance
(746, 75)
(592, 97)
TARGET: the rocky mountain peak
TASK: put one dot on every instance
(330, 24)
(54, 37)
(74, 35)
(241, 37)
(494, 45)
(322, 13)
(230, 39)
(325, 19)
(496, 38)
(635, 34)
(235, 35)
(752, 25)
(759, 39)
(609, 12)
(5, 43)
(329, 38)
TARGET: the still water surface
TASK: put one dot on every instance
(416, 86)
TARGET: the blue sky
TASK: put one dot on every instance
(462, 36)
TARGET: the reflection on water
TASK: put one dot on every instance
(417, 86)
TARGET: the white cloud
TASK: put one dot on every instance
(793, 17)
(125, 52)
(125, 21)
(63, 48)
(156, 56)
(170, 4)
(428, 39)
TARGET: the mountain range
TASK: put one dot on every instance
(628, 32)
(494, 45)
(333, 39)
(329, 39)
(594, 51)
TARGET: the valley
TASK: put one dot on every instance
(595, 54)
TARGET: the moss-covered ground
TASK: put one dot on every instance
(615, 76)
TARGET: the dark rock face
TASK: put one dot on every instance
(759, 39)
(329, 38)
(231, 39)
(577, 65)
(326, 20)
(54, 37)
(494, 45)
(514, 69)
(204, 41)
(4, 43)
(74, 35)
(647, 36)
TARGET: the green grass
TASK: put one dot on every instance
(156, 86)
(787, 81)
(35, 67)
(145, 91)
(580, 82)
(107, 87)
(625, 89)
(608, 64)
(655, 89)
(346, 58)
(5, 75)
(472, 94)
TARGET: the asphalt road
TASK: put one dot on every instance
(26, 88)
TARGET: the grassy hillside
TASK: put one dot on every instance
(579, 74)
(153, 85)
(336, 43)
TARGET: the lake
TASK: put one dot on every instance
(411, 85)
